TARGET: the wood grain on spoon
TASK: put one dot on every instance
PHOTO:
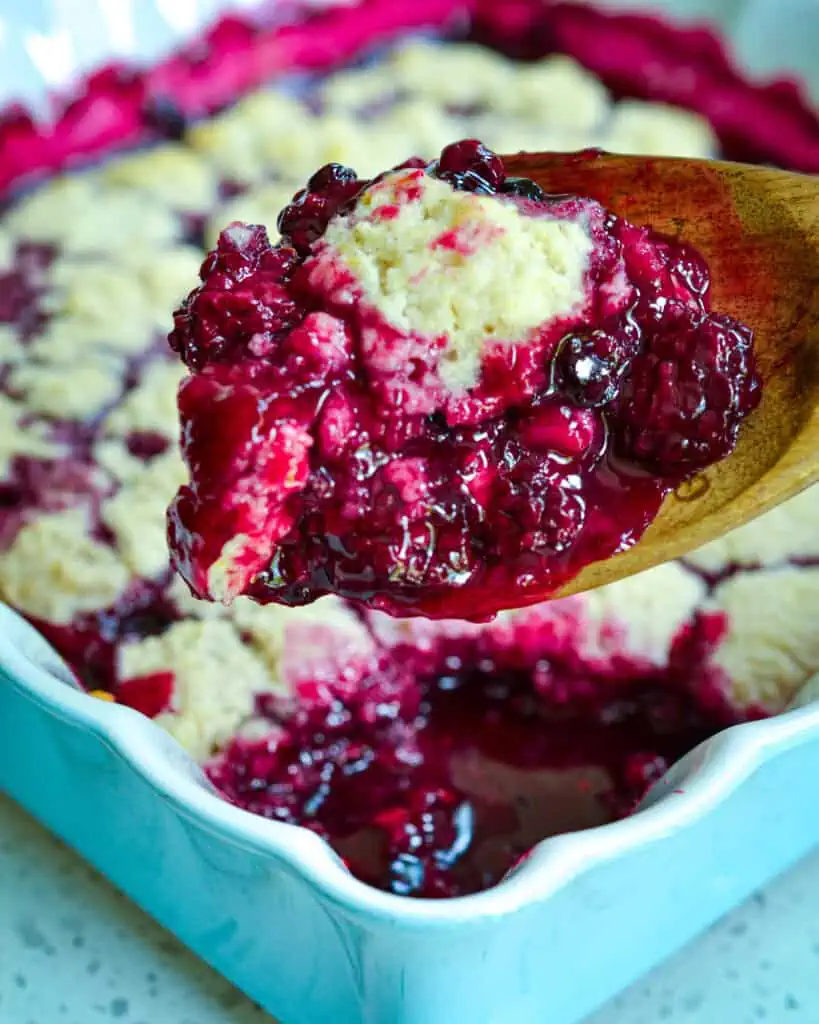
(759, 230)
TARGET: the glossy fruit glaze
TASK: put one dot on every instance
(324, 462)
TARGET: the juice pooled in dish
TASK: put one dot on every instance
(443, 392)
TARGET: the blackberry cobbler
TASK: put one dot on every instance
(443, 392)
(432, 755)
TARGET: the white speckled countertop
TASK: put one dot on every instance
(73, 951)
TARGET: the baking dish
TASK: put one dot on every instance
(271, 906)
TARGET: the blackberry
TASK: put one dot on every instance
(588, 367)
(471, 158)
(327, 177)
(525, 188)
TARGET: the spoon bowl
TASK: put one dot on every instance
(758, 228)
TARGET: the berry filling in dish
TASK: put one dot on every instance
(435, 763)
(443, 392)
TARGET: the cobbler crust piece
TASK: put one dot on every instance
(443, 392)
(83, 494)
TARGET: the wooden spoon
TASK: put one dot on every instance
(759, 230)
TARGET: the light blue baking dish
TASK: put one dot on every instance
(271, 906)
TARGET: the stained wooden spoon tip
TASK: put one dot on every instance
(758, 229)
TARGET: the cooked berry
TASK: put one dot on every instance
(166, 117)
(588, 367)
(243, 299)
(327, 177)
(683, 399)
(22, 286)
(146, 444)
(466, 161)
(469, 181)
(525, 188)
(305, 219)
